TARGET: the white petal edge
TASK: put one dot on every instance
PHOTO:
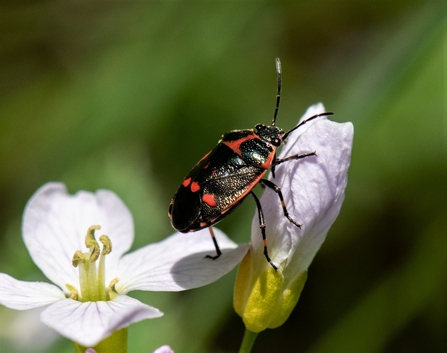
(301, 182)
(91, 322)
(178, 263)
(55, 224)
(321, 200)
(164, 349)
(21, 295)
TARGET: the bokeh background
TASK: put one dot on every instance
(128, 95)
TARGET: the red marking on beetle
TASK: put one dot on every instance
(236, 144)
(268, 162)
(186, 182)
(209, 200)
(195, 186)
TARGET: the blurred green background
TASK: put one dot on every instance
(128, 95)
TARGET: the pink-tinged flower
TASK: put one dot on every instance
(164, 349)
(88, 301)
(314, 190)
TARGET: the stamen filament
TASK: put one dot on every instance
(92, 278)
(91, 273)
(84, 281)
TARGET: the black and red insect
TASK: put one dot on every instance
(222, 179)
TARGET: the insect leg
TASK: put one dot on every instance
(215, 245)
(277, 189)
(295, 156)
(262, 226)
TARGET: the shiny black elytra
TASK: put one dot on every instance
(222, 179)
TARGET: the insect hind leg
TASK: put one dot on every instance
(262, 226)
(216, 245)
(277, 189)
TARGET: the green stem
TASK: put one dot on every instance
(116, 343)
(248, 341)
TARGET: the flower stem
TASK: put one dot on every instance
(248, 341)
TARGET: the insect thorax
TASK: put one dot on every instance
(269, 133)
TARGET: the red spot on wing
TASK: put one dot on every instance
(209, 200)
(186, 182)
(236, 144)
(195, 186)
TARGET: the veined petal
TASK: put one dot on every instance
(320, 200)
(178, 263)
(21, 295)
(55, 224)
(313, 190)
(89, 323)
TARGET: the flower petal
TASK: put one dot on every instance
(178, 263)
(55, 224)
(89, 323)
(313, 190)
(21, 295)
(26, 332)
(164, 349)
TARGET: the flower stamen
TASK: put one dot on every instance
(111, 288)
(91, 243)
(73, 292)
(92, 277)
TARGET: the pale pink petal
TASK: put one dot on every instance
(313, 190)
(178, 263)
(91, 322)
(55, 224)
(164, 349)
(21, 295)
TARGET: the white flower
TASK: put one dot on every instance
(164, 349)
(313, 189)
(89, 302)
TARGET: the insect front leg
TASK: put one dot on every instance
(262, 226)
(277, 189)
(215, 245)
(295, 156)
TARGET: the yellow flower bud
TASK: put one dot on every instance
(264, 299)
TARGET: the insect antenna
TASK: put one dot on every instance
(278, 92)
(305, 121)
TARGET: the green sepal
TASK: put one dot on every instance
(116, 343)
(265, 299)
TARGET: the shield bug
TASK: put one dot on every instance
(222, 179)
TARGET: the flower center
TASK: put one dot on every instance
(92, 269)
